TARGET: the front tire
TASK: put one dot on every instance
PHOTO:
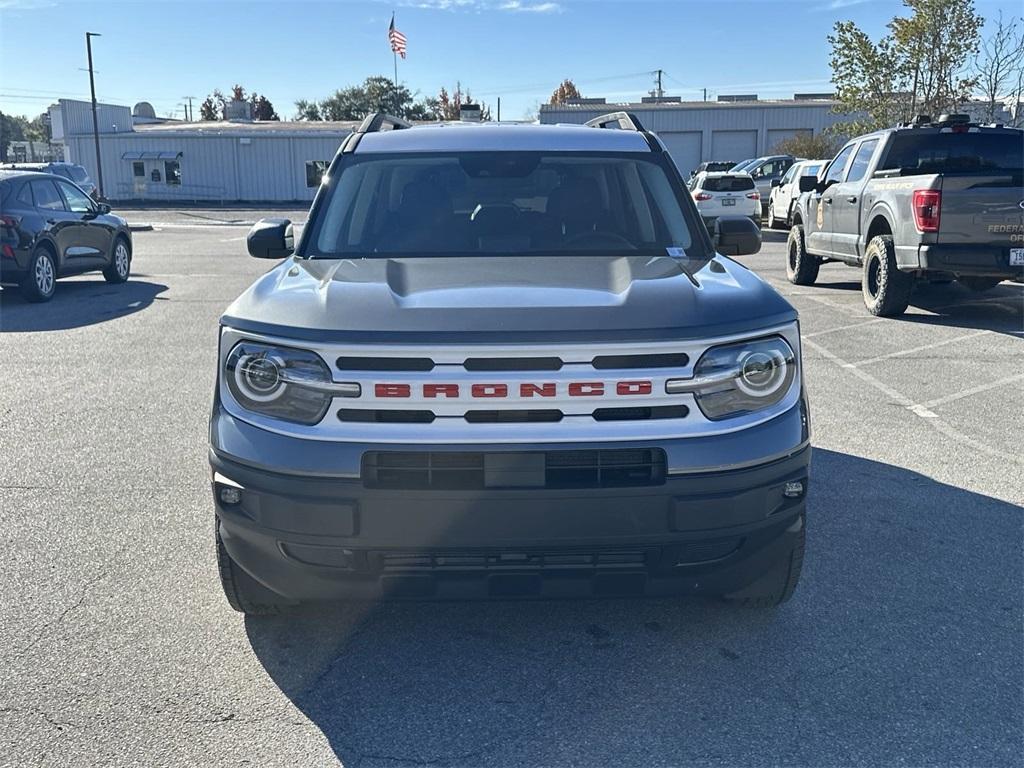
(779, 582)
(886, 290)
(979, 284)
(120, 266)
(772, 221)
(41, 281)
(801, 267)
(243, 592)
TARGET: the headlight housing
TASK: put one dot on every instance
(739, 378)
(285, 383)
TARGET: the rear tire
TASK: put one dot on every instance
(886, 290)
(120, 266)
(41, 281)
(243, 592)
(979, 284)
(801, 267)
(779, 582)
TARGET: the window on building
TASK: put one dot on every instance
(315, 170)
(139, 169)
(172, 172)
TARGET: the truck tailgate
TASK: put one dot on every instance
(982, 210)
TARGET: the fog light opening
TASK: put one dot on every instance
(794, 489)
(229, 496)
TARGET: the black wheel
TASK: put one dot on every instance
(121, 263)
(244, 593)
(779, 582)
(801, 267)
(979, 284)
(41, 280)
(886, 290)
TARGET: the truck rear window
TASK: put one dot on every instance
(981, 152)
(727, 184)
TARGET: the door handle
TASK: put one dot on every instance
(828, 201)
(851, 199)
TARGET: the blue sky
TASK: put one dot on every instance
(517, 49)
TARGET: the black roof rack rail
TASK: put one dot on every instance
(376, 122)
(625, 121)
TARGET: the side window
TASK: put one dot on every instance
(76, 198)
(46, 195)
(139, 169)
(172, 172)
(25, 196)
(861, 160)
(789, 175)
(835, 170)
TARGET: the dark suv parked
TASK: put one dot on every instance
(50, 228)
(69, 171)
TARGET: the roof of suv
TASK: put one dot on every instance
(497, 137)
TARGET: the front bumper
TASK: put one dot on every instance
(312, 538)
(968, 260)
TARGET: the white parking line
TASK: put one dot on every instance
(843, 328)
(921, 409)
(922, 348)
(973, 391)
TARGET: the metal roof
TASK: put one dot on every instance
(496, 137)
(245, 128)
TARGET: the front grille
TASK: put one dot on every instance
(553, 559)
(641, 413)
(415, 364)
(513, 417)
(513, 364)
(464, 470)
(383, 416)
(664, 360)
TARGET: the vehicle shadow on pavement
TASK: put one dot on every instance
(900, 645)
(76, 303)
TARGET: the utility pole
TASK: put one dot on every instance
(705, 94)
(499, 109)
(95, 118)
(188, 112)
(659, 91)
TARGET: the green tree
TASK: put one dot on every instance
(918, 67)
(262, 109)
(212, 107)
(822, 146)
(449, 106)
(566, 90)
(307, 110)
(375, 94)
(999, 66)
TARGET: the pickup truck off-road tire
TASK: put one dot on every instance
(801, 267)
(244, 593)
(778, 584)
(886, 290)
(979, 284)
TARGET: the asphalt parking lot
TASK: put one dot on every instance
(902, 645)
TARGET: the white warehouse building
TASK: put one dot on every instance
(734, 128)
(149, 159)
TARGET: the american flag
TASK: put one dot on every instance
(396, 38)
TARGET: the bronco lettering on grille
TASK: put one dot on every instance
(526, 389)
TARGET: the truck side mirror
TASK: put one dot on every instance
(808, 183)
(776, 182)
(736, 236)
(271, 239)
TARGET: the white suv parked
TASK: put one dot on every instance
(726, 193)
(786, 190)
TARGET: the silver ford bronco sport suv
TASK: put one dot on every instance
(507, 361)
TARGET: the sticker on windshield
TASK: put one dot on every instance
(675, 252)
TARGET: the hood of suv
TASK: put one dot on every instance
(525, 297)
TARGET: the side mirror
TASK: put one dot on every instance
(736, 236)
(776, 182)
(808, 183)
(271, 239)
(102, 208)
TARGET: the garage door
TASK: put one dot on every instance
(733, 145)
(776, 135)
(684, 146)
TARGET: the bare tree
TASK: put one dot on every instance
(999, 64)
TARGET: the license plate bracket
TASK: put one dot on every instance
(514, 470)
(728, 201)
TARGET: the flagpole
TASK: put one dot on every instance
(394, 55)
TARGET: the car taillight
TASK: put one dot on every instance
(7, 252)
(926, 203)
(11, 222)
(754, 195)
(701, 196)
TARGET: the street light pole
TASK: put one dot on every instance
(95, 118)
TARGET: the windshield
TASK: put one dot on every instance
(742, 166)
(78, 173)
(982, 151)
(498, 203)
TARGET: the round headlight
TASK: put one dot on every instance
(761, 372)
(258, 376)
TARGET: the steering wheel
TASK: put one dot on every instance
(599, 238)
